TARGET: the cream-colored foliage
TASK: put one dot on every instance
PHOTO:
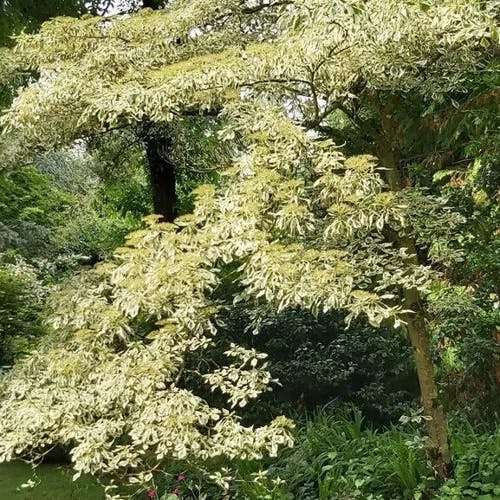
(109, 390)
(307, 227)
(110, 394)
(194, 55)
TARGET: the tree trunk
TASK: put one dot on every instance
(161, 168)
(151, 4)
(437, 444)
(161, 175)
(496, 361)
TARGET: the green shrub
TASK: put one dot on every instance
(464, 325)
(61, 206)
(94, 232)
(31, 205)
(317, 360)
(20, 311)
(338, 456)
(476, 457)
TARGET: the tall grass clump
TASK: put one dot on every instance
(338, 456)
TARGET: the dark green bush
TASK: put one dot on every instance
(464, 325)
(318, 361)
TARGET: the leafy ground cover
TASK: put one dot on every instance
(339, 456)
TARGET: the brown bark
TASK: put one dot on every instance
(161, 175)
(496, 361)
(437, 444)
(437, 431)
(151, 4)
(161, 167)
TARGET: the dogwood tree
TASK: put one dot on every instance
(308, 227)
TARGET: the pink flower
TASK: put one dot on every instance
(176, 491)
(181, 477)
(151, 493)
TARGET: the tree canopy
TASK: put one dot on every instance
(192, 57)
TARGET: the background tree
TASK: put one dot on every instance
(234, 18)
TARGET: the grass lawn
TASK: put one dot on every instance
(52, 483)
